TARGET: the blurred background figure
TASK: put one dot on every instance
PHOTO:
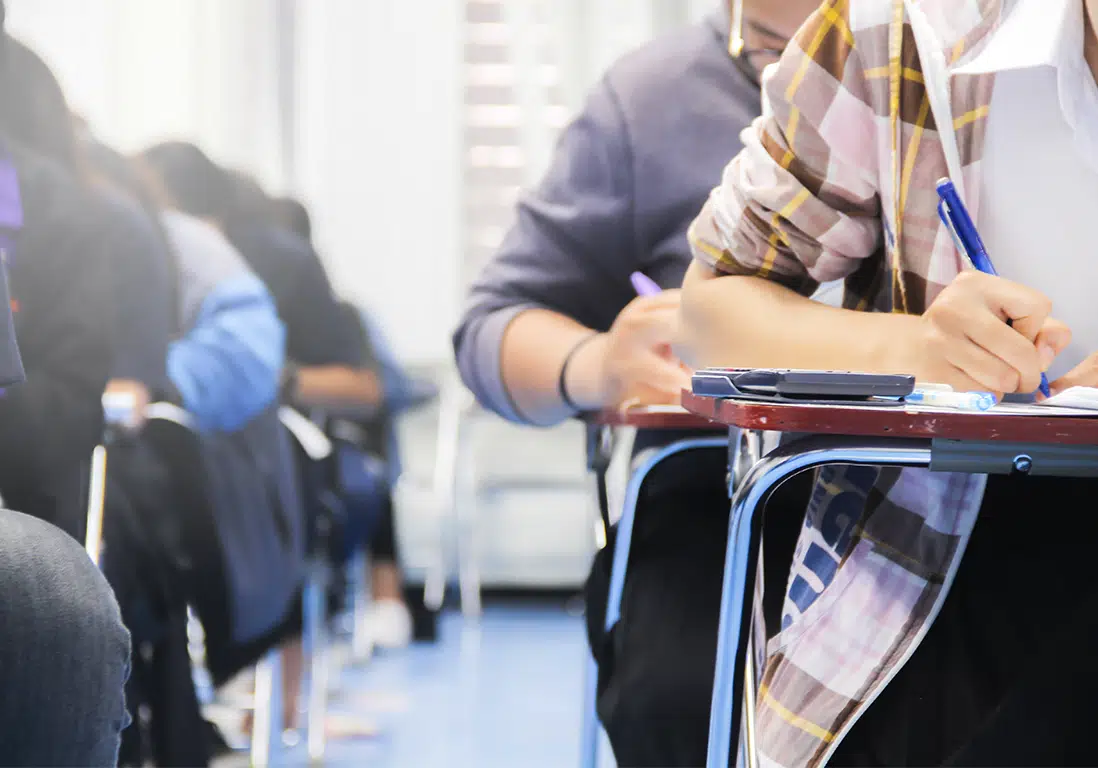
(262, 218)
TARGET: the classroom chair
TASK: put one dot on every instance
(600, 446)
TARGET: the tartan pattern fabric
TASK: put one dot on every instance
(838, 182)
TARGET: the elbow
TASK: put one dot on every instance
(696, 316)
(716, 321)
(478, 348)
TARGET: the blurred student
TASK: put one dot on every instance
(390, 622)
(142, 301)
(61, 295)
(553, 327)
(193, 325)
(325, 367)
(898, 650)
(64, 652)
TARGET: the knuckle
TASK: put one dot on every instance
(1009, 381)
(1042, 303)
(969, 277)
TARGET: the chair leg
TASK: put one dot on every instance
(97, 489)
(316, 649)
(443, 486)
(267, 723)
(589, 739)
(466, 523)
(362, 643)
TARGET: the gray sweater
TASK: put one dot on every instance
(627, 178)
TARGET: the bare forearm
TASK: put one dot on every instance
(339, 389)
(534, 349)
(752, 323)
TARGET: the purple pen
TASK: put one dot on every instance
(644, 285)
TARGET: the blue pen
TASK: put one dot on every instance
(952, 212)
(644, 285)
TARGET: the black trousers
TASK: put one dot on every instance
(656, 667)
(1008, 673)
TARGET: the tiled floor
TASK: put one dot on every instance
(502, 693)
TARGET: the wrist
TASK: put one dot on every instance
(894, 344)
(583, 378)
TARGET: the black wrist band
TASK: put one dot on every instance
(562, 385)
(287, 390)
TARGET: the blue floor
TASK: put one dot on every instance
(502, 693)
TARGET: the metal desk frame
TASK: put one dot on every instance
(755, 476)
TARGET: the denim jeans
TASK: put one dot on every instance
(64, 652)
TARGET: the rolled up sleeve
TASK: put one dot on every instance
(568, 251)
(800, 204)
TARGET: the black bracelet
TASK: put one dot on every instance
(562, 385)
(287, 389)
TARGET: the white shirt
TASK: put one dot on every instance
(1038, 205)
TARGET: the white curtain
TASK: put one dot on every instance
(144, 70)
(592, 34)
(379, 152)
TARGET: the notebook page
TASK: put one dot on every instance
(1085, 398)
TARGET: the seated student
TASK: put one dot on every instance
(325, 369)
(390, 622)
(39, 120)
(64, 654)
(61, 295)
(554, 327)
(944, 597)
(222, 366)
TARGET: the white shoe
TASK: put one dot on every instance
(390, 624)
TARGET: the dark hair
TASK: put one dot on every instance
(33, 109)
(199, 186)
(250, 203)
(196, 184)
(293, 215)
(128, 175)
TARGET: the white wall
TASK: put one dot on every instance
(378, 136)
(145, 70)
(380, 158)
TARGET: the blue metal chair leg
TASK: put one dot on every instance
(589, 737)
(744, 536)
(316, 647)
(267, 723)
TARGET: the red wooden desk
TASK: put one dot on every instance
(658, 417)
(892, 421)
(982, 443)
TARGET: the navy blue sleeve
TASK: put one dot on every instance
(293, 272)
(61, 284)
(316, 332)
(144, 301)
(571, 249)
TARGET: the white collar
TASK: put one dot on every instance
(1034, 33)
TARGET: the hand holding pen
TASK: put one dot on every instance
(1028, 315)
(638, 362)
(963, 339)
